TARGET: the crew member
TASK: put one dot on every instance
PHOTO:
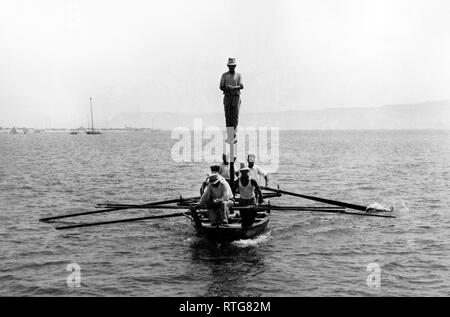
(218, 198)
(256, 172)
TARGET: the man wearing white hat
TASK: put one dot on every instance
(218, 198)
(248, 188)
(215, 168)
(231, 85)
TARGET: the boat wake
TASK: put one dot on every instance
(394, 206)
(246, 243)
(381, 206)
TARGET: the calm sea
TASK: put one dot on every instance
(302, 254)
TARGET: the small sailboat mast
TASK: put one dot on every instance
(92, 131)
(92, 117)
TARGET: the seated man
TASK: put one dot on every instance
(218, 199)
(214, 169)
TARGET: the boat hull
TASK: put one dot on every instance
(234, 231)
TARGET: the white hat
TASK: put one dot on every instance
(231, 61)
(243, 168)
(214, 178)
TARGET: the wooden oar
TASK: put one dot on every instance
(47, 219)
(178, 214)
(117, 205)
(324, 200)
(274, 207)
(325, 209)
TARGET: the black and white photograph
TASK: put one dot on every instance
(224, 154)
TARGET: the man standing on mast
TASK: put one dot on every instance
(231, 85)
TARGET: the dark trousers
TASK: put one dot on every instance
(247, 202)
(247, 216)
(232, 103)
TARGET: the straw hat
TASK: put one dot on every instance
(243, 168)
(214, 178)
(215, 166)
(231, 61)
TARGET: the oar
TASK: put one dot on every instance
(303, 208)
(178, 214)
(324, 200)
(117, 205)
(105, 210)
(324, 209)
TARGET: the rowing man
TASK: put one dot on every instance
(248, 189)
(256, 172)
(231, 85)
(218, 199)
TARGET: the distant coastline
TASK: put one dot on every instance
(432, 115)
(421, 116)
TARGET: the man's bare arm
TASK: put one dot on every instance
(267, 179)
(258, 191)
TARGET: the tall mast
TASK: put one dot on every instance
(232, 166)
(92, 117)
(231, 142)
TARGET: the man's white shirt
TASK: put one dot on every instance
(258, 174)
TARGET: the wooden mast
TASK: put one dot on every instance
(232, 166)
(231, 141)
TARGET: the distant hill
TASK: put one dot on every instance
(426, 115)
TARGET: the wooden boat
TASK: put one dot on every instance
(244, 223)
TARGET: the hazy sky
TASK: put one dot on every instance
(156, 56)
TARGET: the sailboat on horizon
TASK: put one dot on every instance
(92, 131)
